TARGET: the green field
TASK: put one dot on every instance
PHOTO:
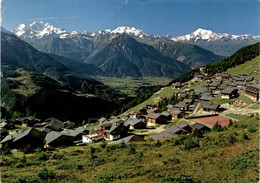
(237, 117)
(130, 85)
(248, 67)
(222, 156)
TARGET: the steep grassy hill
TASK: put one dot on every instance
(241, 56)
(31, 93)
(222, 156)
(248, 67)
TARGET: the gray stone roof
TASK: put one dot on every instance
(22, 134)
(206, 97)
(163, 134)
(165, 113)
(186, 100)
(209, 105)
(180, 105)
(228, 90)
(198, 126)
(72, 133)
(169, 106)
(52, 136)
(174, 129)
(175, 111)
(102, 119)
(153, 115)
(81, 129)
(130, 138)
(133, 121)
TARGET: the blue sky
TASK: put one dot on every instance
(174, 17)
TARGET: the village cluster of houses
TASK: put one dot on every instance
(54, 133)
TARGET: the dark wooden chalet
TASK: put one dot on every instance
(176, 113)
(153, 119)
(209, 107)
(57, 139)
(135, 123)
(229, 93)
(252, 91)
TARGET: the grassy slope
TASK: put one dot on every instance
(220, 157)
(248, 67)
(164, 92)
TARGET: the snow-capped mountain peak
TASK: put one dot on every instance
(208, 35)
(129, 30)
(38, 30)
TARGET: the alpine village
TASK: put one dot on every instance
(76, 114)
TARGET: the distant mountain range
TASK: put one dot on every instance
(220, 44)
(87, 46)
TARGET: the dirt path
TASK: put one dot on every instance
(156, 130)
(241, 111)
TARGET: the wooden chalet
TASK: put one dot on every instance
(206, 97)
(249, 79)
(154, 119)
(169, 107)
(181, 105)
(116, 131)
(200, 127)
(91, 138)
(142, 110)
(134, 123)
(229, 93)
(209, 107)
(185, 127)
(252, 91)
(131, 138)
(21, 139)
(176, 113)
(166, 115)
(57, 139)
(154, 110)
(176, 85)
(225, 76)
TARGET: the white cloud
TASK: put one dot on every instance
(50, 18)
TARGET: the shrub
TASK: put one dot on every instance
(42, 156)
(157, 144)
(139, 155)
(247, 159)
(122, 145)
(28, 149)
(64, 167)
(6, 150)
(131, 150)
(79, 167)
(21, 179)
(230, 123)
(217, 128)
(232, 137)
(243, 137)
(46, 174)
(150, 139)
(252, 129)
(19, 165)
(92, 150)
(56, 156)
(103, 144)
(180, 178)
